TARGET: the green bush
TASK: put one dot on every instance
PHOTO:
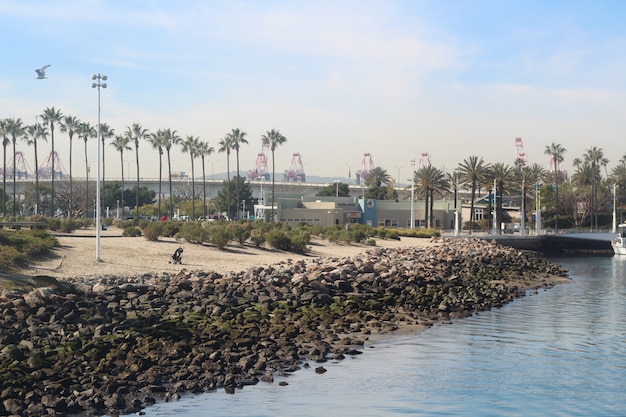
(257, 237)
(194, 232)
(131, 231)
(370, 242)
(299, 241)
(220, 236)
(171, 227)
(69, 225)
(279, 240)
(239, 232)
(54, 223)
(153, 231)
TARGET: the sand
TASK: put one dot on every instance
(76, 255)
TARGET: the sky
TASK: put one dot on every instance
(395, 79)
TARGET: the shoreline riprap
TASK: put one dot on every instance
(119, 344)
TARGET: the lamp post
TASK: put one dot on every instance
(398, 168)
(98, 83)
(118, 209)
(522, 231)
(412, 193)
(337, 188)
(537, 210)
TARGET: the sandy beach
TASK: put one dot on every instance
(76, 255)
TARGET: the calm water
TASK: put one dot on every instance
(561, 352)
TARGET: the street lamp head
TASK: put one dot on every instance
(94, 85)
(104, 85)
(104, 78)
(94, 76)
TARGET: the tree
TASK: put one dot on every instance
(503, 176)
(528, 176)
(377, 182)
(228, 191)
(86, 131)
(15, 128)
(105, 133)
(135, 133)
(273, 139)
(190, 146)
(5, 143)
(594, 156)
(34, 133)
(204, 150)
(171, 139)
(556, 152)
(339, 189)
(429, 180)
(51, 115)
(157, 140)
(237, 138)
(226, 146)
(120, 143)
(70, 124)
(472, 171)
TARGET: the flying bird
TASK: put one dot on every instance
(41, 72)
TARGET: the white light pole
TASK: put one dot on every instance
(522, 231)
(337, 188)
(537, 210)
(98, 84)
(614, 228)
(412, 193)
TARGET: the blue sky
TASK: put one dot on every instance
(391, 78)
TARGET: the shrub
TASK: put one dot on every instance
(171, 228)
(69, 225)
(153, 231)
(370, 242)
(257, 237)
(299, 241)
(358, 236)
(193, 232)
(279, 240)
(220, 236)
(239, 231)
(131, 231)
(54, 223)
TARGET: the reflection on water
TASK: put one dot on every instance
(560, 352)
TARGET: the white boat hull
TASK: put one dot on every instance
(618, 246)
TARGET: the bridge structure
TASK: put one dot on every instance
(259, 187)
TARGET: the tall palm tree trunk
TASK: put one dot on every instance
(193, 191)
(122, 191)
(169, 173)
(273, 176)
(102, 193)
(69, 211)
(53, 158)
(14, 175)
(86, 180)
(237, 188)
(137, 193)
(160, 176)
(228, 188)
(36, 177)
(4, 180)
(203, 190)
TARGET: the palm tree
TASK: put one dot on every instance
(86, 131)
(378, 177)
(528, 176)
(429, 180)
(5, 143)
(595, 157)
(204, 150)
(52, 116)
(135, 133)
(503, 177)
(171, 138)
(273, 139)
(157, 140)
(237, 138)
(120, 143)
(70, 125)
(472, 171)
(190, 145)
(226, 146)
(556, 152)
(105, 133)
(454, 179)
(16, 129)
(34, 132)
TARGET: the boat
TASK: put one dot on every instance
(619, 243)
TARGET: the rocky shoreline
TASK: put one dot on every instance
(115, 345)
